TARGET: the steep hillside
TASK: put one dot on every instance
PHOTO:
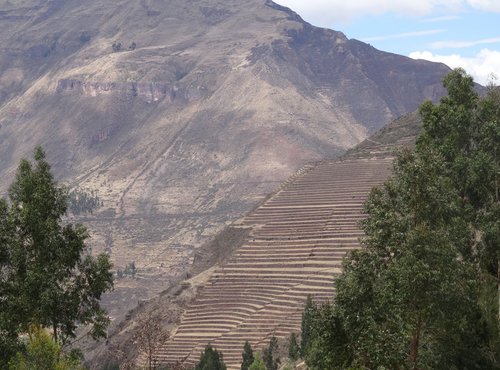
(268, 262)
(183, 114)
(402, 132)
(295, 248)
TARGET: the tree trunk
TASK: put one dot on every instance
(498, 286)
(415, 342)
(54, 329)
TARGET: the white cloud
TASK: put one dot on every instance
(444, 18)
(327, 13)
(463, 44)
(480, 66)
(486, 5)
(401, 35)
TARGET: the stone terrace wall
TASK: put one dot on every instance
(297, 242)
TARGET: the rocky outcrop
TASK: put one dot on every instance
(146, 91)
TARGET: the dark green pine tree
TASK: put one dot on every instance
(269, 354)
(210, 359)
(247, 355)
(293, 348)
(307, 325)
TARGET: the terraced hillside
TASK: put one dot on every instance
(183, 115)
(297, 241)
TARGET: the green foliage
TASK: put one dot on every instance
(85, 37)
(80, 201)
(308, 317)
(210, 359)
(48, 277)
(269, 355)
(406, 299)
(248, 357)
(258, 363)
(129, 270)
(9, 344)
(42, 353)
(293, 347)
(418, 295)
(117, 46)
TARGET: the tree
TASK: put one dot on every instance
(329, 342)
(150, 337)
(43, 353)
(247, 355)
(117, 46)
(9, 315)
(408, 299)
(465, 130)
(413, 297)
(210, 359)
(308, 317)
(269, 355)
(293, 347)
(257, 364)
(48, 276)
(414, 294)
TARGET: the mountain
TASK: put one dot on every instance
(182, 115)
(248, 273)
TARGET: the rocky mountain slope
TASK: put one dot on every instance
(181, 115)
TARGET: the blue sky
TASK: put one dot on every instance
(459, 33)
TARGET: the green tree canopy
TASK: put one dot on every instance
(293, 347)
(210, 359)
(407, 298)
(308, 315)
(414, 297)
(42, 353)
(247, 355)
(48, 276)
(270, 355)
(258, 363)
(465, 130)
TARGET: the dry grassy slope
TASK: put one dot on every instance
(219, 102)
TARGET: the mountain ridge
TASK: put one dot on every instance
(183, 115)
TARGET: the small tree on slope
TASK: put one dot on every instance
(210, 359)
(247, 355)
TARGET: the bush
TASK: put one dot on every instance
(117, 46)
(42, 352)
(84, 37)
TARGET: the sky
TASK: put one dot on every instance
(459, 33)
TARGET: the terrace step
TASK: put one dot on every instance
(295, 248)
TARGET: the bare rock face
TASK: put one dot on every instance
(183, 114)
